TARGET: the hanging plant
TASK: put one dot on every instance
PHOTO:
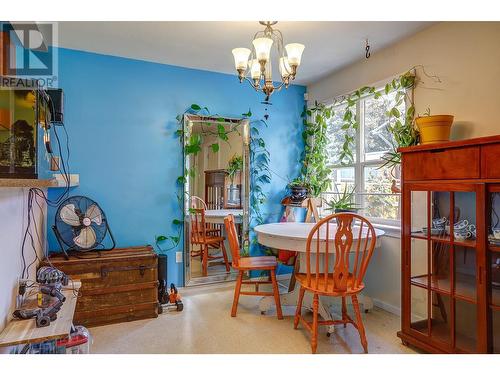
(403, 128)
(402, 125)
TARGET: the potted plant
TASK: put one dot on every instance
(344, 202)
(299, 189)
(435, 128)
(235, 165)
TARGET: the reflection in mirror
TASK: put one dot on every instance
(216, 159)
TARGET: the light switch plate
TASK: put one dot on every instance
(178, 257)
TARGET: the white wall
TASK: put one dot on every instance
(466, 57)
(383, 277)
(13, 217)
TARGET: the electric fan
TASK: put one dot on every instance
(81, 225)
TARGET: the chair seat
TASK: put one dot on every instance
(209, 240)
(328, 285)
(257, 263)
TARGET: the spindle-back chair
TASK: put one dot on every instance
(350, 239)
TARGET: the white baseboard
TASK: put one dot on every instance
(387, 307)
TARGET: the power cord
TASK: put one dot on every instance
(35, 193)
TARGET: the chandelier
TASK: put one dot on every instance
(256, 63)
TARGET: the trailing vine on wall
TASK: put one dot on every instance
(402, 128)
(260, 173)
(259, 167)
(315, 173)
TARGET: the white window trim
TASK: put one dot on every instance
(389, 225)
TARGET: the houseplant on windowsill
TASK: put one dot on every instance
(299, 190)
(344, 203)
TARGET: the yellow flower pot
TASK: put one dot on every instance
(434, 129)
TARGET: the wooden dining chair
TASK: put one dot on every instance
(206, 239)
(197, 202)
(261, 263)
(212, 229)
(350, 238)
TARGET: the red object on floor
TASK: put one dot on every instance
(285, 255)
(72, 341)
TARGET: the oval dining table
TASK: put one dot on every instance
(293, 237)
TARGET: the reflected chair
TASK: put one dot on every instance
(207, 239)
(197, 202)
(261, 263)
(212, 229)
(350, 238)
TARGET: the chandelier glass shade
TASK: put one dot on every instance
(255, 65)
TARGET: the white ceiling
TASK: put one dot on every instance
(207, 45)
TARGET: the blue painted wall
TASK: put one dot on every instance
(120, 116)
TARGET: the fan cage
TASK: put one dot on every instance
(67, 233)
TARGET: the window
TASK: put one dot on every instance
(372, 183)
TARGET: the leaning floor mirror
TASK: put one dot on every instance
(216, 162)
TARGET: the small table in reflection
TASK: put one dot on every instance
(217, 216)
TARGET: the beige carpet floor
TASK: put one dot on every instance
(205, 326)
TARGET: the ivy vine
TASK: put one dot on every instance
(402, 128)
(315, 173)
(259, 167)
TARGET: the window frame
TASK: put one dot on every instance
(360, 163)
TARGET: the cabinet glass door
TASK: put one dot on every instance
(493, 259)
(443, 291)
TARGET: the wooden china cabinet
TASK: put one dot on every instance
(450, 256)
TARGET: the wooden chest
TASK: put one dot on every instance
(120, 285)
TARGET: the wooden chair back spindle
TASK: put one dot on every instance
(198, 228)
(197, 202)
(354, 239)
(232, 237)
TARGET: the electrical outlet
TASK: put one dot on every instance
(178, 257)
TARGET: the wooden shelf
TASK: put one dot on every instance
(26, 183)
(440, 331)
(452, 144)
(494, 248)
(55, 182)
(465, 286)
(445, 239)
(25, 331)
